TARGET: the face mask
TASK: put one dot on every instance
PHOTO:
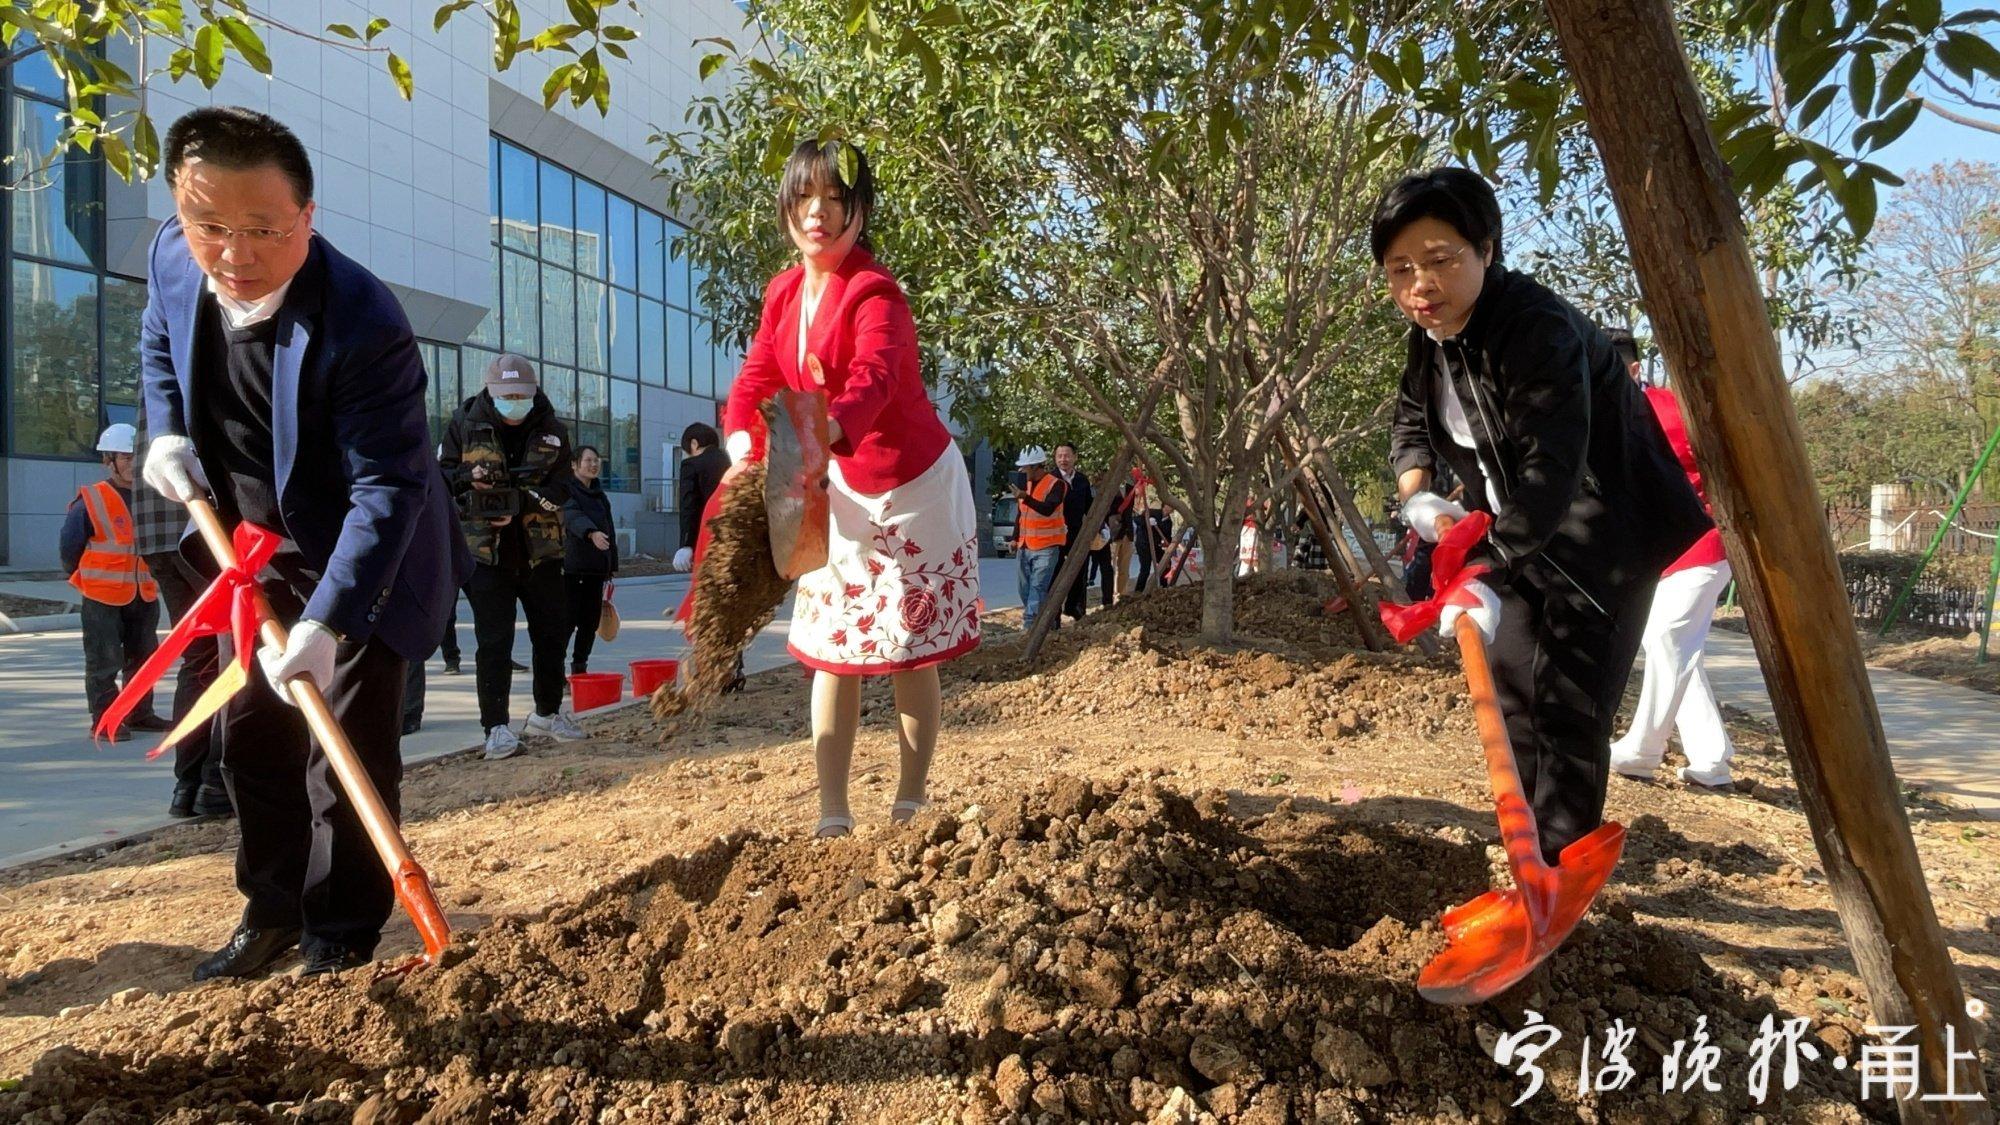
(513, 409)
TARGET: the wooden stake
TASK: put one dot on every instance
(1682, 221)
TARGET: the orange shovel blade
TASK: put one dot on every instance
(1494, 941)
(795, 481)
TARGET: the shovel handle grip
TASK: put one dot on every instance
(412, 885)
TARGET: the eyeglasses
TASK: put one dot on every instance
(217, 233)
(1437, 265)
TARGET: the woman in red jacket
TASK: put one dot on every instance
(899, 593)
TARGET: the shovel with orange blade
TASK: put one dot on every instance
(235, 604)
(1499, 937)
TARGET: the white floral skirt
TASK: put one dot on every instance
(900, 589)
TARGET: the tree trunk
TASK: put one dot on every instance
(1218, 588)
(1706, 305)
(1345, 568)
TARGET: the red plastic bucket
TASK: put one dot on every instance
(648, 675)
(590, 690)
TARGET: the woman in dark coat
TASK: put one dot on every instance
(590, 553)
(1524, 398)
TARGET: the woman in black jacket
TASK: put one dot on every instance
(1524, 398)
(590, 552)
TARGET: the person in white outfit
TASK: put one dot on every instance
(1675, 694)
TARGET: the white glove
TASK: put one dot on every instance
(684, 559)
(173, 471)
(1422, 510)
(737, 445)
(1485, 616)
(309, 653)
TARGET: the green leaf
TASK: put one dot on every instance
(1465, 55)
(1900, 74)
(1861, 83)
(614, 50)
(858, 12)
(712, 63)
(117, 155)
(1858, 200)
(1813, 107)
(343, 30)
(618, 33)
(556, 37)
(847, 161)
(1385, 69)
(601, 92)
(179, 63)
(247, 42)
(944, 15)
(1967, 55)
(1923, 15)
(375, 27)
(1410, 61)
(764, 70)
(446, 11)
(780, 147)
(208, 55)
(399, 70)
(1886, 129)
(583, 12)
(1971, 16)
(146, 142)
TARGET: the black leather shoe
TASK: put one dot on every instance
(518, 666)
(247, 953)
(332, 957)
(182, 806)
(213, 800)
(412, 727)
(150, 722)
(450, 666)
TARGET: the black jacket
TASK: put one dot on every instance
(476, 437)
(1588, 485)
(701, 475)
(588, 510)
(1076, 505)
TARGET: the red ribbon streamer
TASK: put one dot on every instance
(228, 605)
(1450, 577)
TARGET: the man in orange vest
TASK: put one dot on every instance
(1040, 531)
(121, 603)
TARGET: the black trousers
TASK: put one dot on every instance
(1100, 570)
(195, 760)
(1560, 664)
(116, 640)
(1142, 546)
(304, 860)
(449, 647)
(1074, 601)
(494, 592)
(586, 609)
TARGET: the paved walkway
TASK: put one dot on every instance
(1946, 736)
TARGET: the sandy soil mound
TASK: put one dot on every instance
(1087, 951)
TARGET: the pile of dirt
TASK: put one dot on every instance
(1294, 671)
(1088, 951)
(736, 592)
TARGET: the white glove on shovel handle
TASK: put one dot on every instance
(308, 652)
(172, 470)
(737, 445)
(1485, 616)
(1423, 510)
(684, 559)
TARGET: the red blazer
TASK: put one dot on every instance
(866, 343)
(1707, 550)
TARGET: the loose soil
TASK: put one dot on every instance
(736, 592)
(1951, 658)
(1159, 882)
(15, 605)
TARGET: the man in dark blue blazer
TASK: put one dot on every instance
(282, 378)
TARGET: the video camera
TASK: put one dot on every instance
(510, 495)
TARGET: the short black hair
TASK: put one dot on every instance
(1069, 445)
(812, 166)
(702, 433)
(577, 453)
(1623, 343)
(1457, 197)
(237, 137)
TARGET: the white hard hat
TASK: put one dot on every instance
(117, 438)
(1033, 455)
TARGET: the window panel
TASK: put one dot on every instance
(677, 268)
(521, 314)
(487, 332)
(622, 236)
(54, 380)
(558, 215)
(590, 252)
(591, 349)
(695, 277)
(652, 253)
(726, 364)
(493, 189)
(35, 72)
(590, 433)
(124, 308)
(622, 456)
(701, 359)
(472, 365)
(58, 209)
(652, 343)
(519, 211)
(680, 375)
(559, 383)
(624, 334)
(558, 315)
(593, 401)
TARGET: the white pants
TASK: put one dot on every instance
(1675, 693)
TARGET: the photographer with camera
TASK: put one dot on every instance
(507, 457)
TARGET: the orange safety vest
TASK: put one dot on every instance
(111, 570)
(1037, 530)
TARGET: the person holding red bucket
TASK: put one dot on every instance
(898, 594)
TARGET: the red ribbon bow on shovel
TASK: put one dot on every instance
(1450, 576)
(229, 605)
